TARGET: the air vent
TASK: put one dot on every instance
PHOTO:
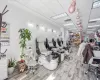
(92, 21)
(67, 20)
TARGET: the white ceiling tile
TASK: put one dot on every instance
(41, 8)
(24, 1)
(70, 27)
(54, 6)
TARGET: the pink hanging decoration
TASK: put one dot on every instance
(79, 25)
(80, 29)
(78, 17)
(77, 12)
(72, 7)
(78, 22)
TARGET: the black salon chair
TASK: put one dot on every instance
(48, 61)
(58, 49)
(50, 48)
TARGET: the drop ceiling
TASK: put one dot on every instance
(50, 8)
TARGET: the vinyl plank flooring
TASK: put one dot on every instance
(67, 70)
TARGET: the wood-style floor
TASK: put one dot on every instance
(67, 70)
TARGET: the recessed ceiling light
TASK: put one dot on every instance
(59, 16)
(96, 4)
(70, 24)
(94, 26)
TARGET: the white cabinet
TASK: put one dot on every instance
(3, 68)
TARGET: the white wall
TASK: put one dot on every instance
(65, 34)
(18, 18)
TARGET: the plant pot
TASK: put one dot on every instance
(21, 66)
(10, 70)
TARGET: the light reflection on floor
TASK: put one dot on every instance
(51, 77)
(21, 78)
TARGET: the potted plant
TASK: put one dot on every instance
(25, 35)
(11, 65)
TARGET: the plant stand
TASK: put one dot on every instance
(21, 66)
(32, 69)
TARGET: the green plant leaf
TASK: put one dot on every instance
(12, 63)
(25, 35)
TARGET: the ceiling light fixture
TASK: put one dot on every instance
(70, 24)
(98, 19)
(59, 16)
(94, 26)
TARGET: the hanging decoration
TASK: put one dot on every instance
(79, 24)
(72, 7)
(78, 20)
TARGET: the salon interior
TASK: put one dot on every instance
(41, 39)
